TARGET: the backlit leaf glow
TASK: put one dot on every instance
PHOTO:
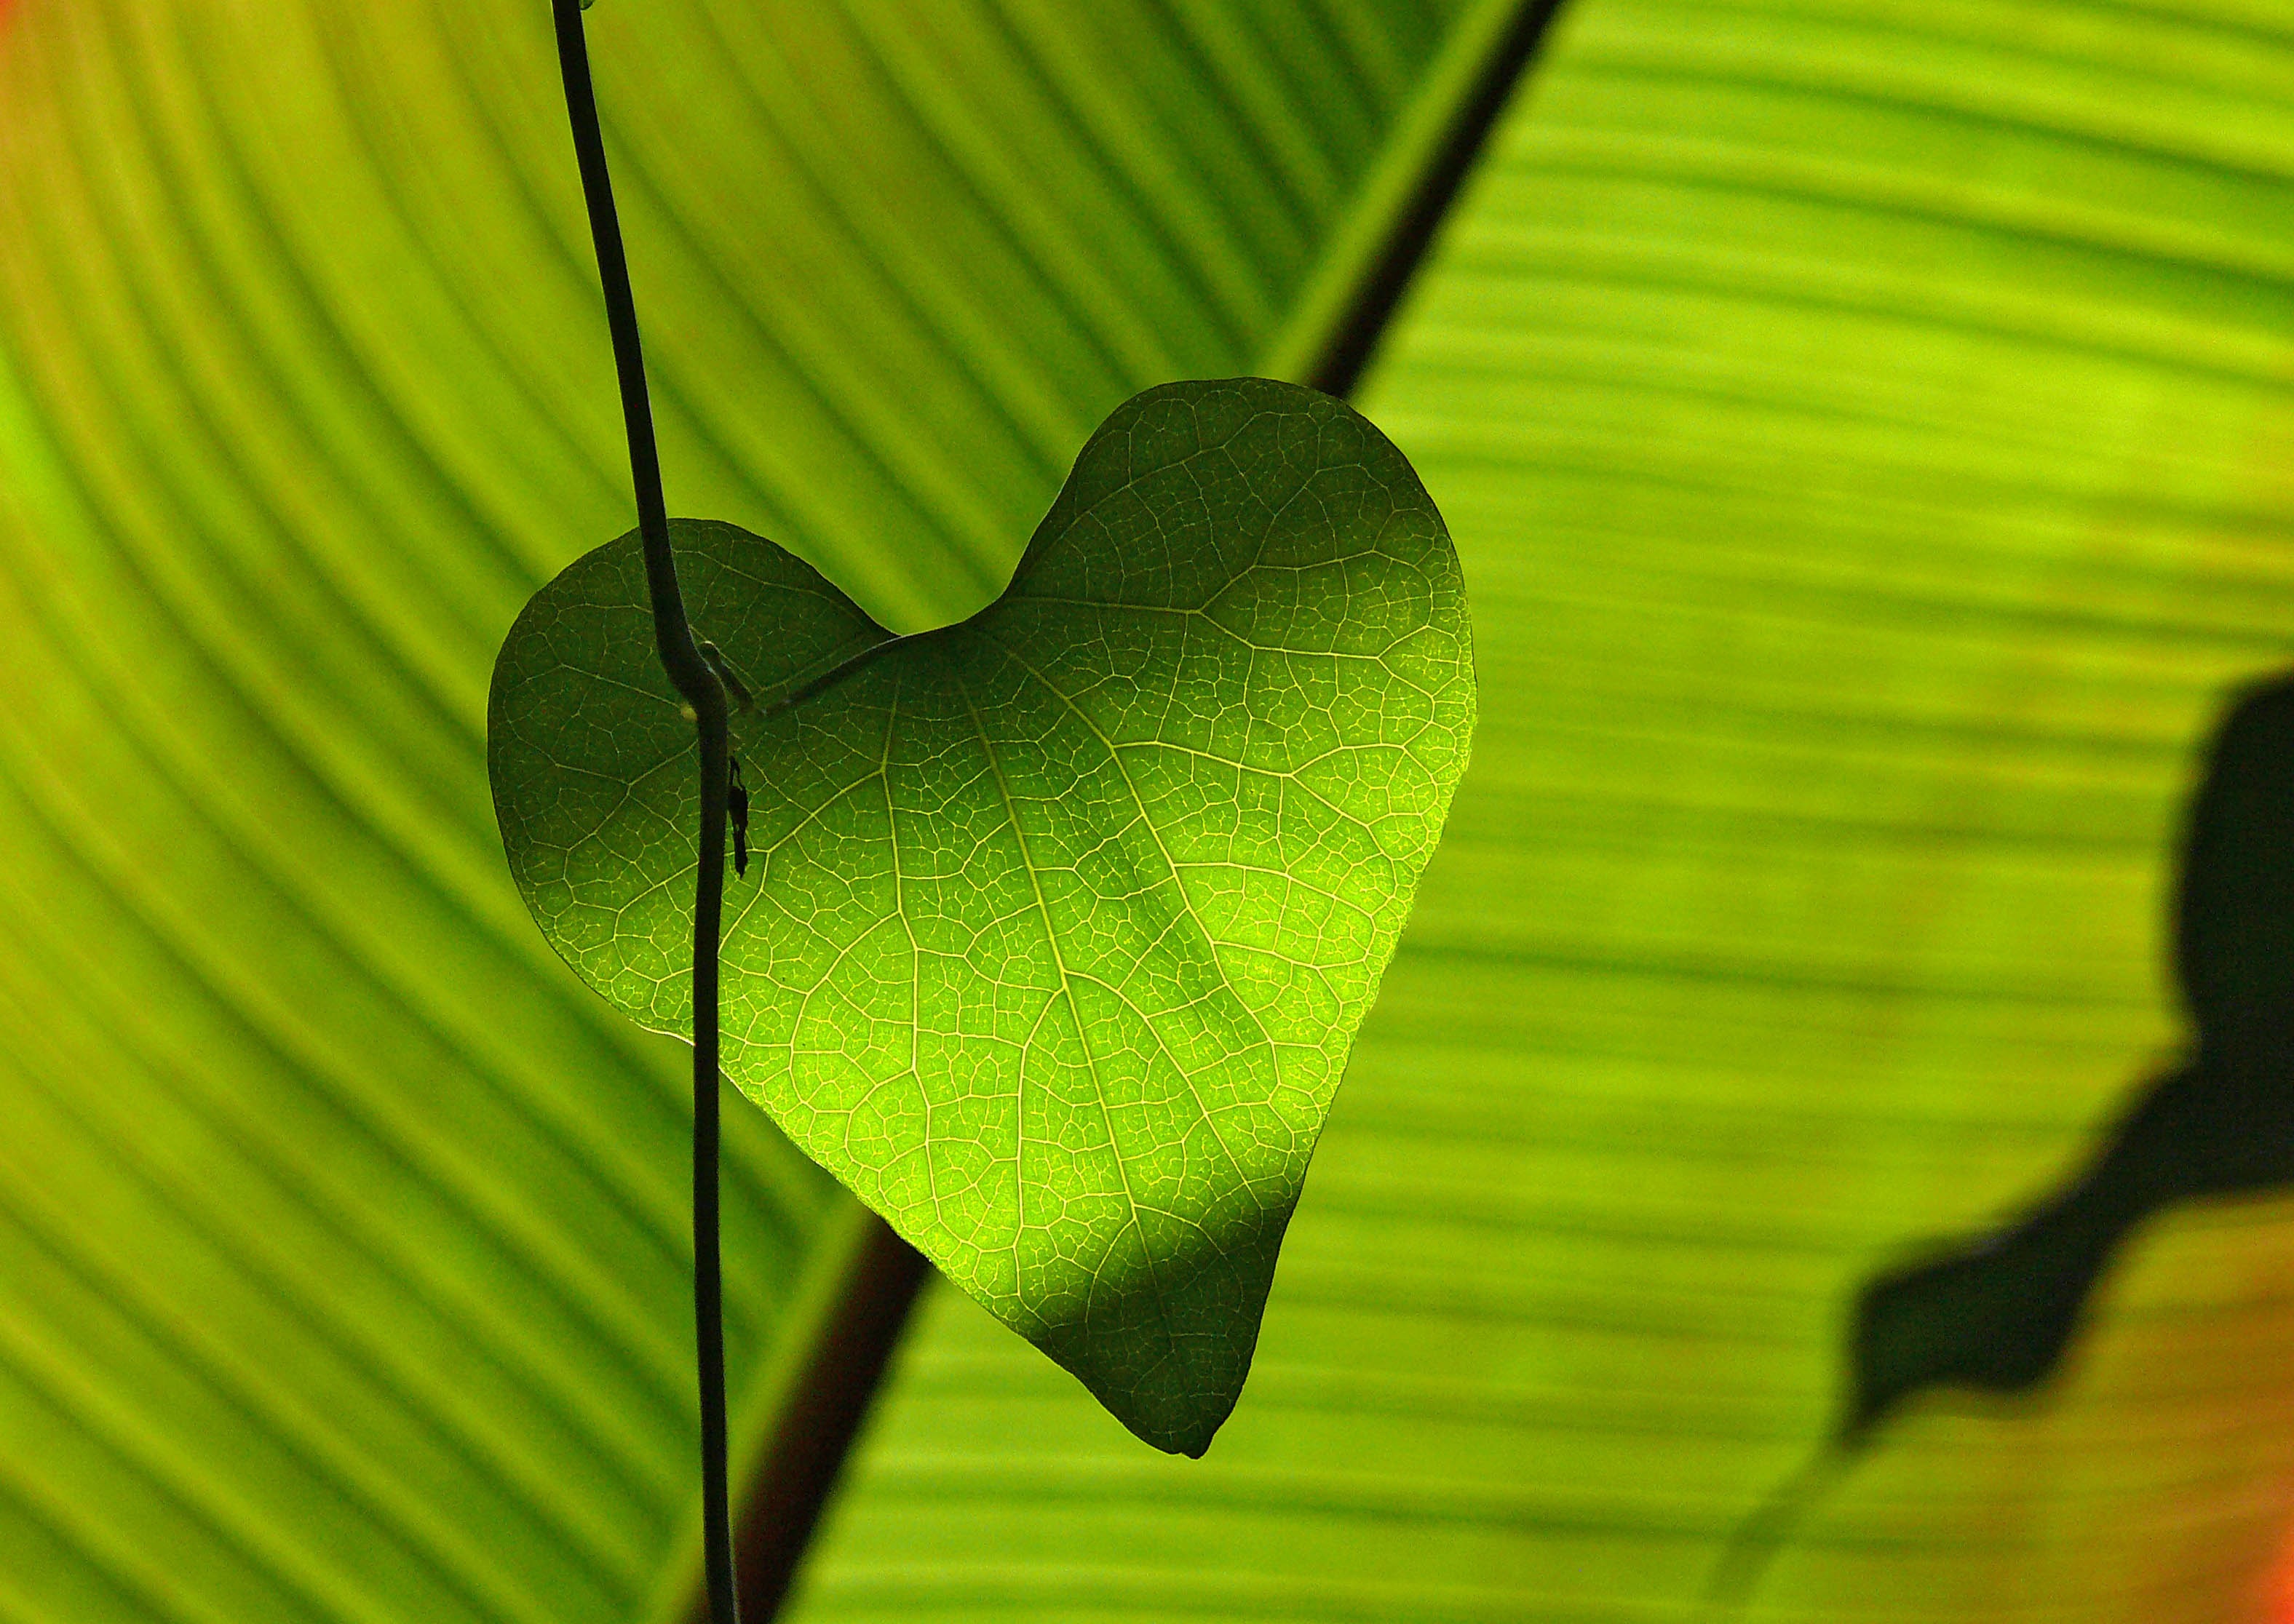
(1064, 916)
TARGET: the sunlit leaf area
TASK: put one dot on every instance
(1865, 430)
(1065, 914)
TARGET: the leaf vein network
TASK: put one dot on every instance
(1186, 903)
(1075, 1012)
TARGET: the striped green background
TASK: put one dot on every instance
(1865, 427)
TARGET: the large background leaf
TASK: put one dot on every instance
(1866, 430)
(341, 1233)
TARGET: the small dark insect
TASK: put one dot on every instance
(736, 808)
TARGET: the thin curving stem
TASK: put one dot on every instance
(696, 679)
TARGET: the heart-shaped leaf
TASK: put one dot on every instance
(1062, 920)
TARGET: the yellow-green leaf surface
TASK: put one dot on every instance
(343, 1257)
(1064, 916)
(1865, 427)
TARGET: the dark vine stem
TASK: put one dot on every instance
(697, 680)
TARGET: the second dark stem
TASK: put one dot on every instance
(690, 674)
(708, 1276)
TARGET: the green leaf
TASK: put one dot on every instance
(1066, 913)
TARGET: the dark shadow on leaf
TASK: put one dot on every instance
(1168, 1353)
(1995, 1315)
